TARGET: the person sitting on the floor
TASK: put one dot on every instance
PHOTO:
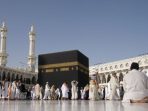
(135, 85)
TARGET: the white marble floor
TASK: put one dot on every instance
(79, 105)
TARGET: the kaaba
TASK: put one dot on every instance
(59, 67)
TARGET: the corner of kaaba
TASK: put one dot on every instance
(59, 67)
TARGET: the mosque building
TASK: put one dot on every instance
(102, 72)
(28, 75)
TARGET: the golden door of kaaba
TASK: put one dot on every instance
(56, 68)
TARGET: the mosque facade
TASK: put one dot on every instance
(28, 75)
(102, 72)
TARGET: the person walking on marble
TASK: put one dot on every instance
(114, 84)
(37, 91)
(47, 92)
(13, 90)
(74, 89)
(93, 90)
(65, 91)
(5, 89)
(52, 92)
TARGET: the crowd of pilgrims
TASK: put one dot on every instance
(92, 91)
(134, 89)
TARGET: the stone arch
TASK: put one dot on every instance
(111, 67)
(127, 64)
(121, 65)
(106, 68)
(101, 69)
(8, 76)
(116, 67)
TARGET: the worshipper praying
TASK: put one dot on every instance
(135, 85)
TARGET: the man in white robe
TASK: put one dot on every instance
(85, 92)
(65, 91)
(135, 85)
(114, 85)
(93, 90)
(47, 91)
(37, 91)
(41, 92)
(5, 89)
(33, 92)
(82, 93)
(13, 90)
(57, 91)
(74, 89)
(18, 84)
(52, 92)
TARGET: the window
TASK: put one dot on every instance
(126, 64)
(121, 66)
(111, 67)
(101, 69)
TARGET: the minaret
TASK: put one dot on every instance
(3, 53)
(31, 57)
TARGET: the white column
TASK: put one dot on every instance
(98, 78)
(31, 57)
(3, 53)
(106, 76)
(101, 78)
(118, 74)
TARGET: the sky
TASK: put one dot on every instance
(103, 30)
